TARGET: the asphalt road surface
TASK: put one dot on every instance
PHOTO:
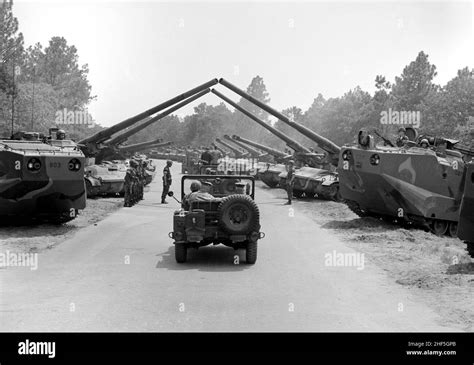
(121, 275)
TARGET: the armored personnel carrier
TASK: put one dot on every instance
(41, 179)
(108, 177)
(424, 186)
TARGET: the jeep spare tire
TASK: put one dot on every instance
(238, 214)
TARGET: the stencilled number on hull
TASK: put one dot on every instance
(55, 165)
(17, 165)
(455, 165)
(72, 212)
(345, 165)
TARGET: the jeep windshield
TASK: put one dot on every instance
(219, 185)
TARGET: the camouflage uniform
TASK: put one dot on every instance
(129, 186)
(167, 180)
(141, 180)
(290, 180)
(401, 141)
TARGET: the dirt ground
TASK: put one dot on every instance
(40, 237)
(437, 269)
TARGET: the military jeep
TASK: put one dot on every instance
(229, 216)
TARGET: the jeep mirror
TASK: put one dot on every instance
(170, 194)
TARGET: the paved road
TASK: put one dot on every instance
(120, 275)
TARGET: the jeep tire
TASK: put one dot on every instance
(251, 253)
(238, 214)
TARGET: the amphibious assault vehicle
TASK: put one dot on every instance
(425, 186)
(41, 180)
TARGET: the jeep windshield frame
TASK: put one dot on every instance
(250, 179)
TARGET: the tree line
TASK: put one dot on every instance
(39, 81)
(443, 110)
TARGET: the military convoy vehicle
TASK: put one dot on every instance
(103, 143)
(315, 176)
(229, 216)
(41, 179)
(104, 179)
(423, 186)
(108, 144)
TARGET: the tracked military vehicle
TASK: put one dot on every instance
(107, 144)
(270, 170)
(317, 176)
(430, 186)
(108, 177)
(103, 144)
(41, 180)
(226, 215)
(270, 154)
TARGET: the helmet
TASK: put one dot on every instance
(133, 163)
(291, 162)
(61, 134)
(169, 162)
(424, 141)
(401, 129)
(195, 186)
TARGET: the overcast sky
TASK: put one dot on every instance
(143, 53)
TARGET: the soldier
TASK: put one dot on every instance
(424, 143)
(206, 156)
(199, 192)
(402, 139)
(365, 140)
(216, 156)
(129, 185)
(141, 180)
(290, 177)
(166, 181)
(61, 134)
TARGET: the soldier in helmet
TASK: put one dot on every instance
(424, 143)
(402, 138)
(129, 186)
(61, 134)
(141, 180)
(365, 140)
(167, 180)
(290, 180)
(199, 192)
